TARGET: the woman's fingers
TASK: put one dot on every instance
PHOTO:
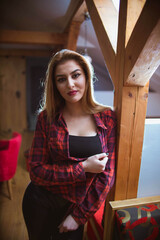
(69, 224)
(101, 155)
(95, 163)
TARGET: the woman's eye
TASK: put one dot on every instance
(60, 80)
(76, 75)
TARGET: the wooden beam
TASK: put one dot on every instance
(29, 37)
(148, 61)
(109, 17)
(134, 10)
(130, 104)
(74, 13)
(73, 34)
(105, 21)
(131, 131)
(26, 52)
(136, 142)
(145, 25)
(122, 164)
(74, 27)
(79, 15)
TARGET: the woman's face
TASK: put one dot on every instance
(70, 81)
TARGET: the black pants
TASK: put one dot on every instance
(43, 212)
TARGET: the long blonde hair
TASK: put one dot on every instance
(52, 101)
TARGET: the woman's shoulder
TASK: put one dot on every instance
(108, 112)
(108, 117)
(42, 115)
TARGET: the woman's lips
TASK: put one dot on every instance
(72, 93)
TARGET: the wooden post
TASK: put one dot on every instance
(130, 100)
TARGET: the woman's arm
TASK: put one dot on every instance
(57, 173)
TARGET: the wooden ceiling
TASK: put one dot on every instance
(44, 24)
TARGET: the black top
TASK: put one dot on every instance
(82, 147)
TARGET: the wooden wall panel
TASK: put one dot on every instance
(12, 94)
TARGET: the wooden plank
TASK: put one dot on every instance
(146, 23)
(29, 37)
(134, 202)
(103, 15)
(148, 60)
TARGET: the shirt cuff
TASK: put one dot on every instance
(79, 216)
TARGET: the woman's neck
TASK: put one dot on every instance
(74, 109)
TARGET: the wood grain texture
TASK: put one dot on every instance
(13, 94)
(139, 47)
(29, 37)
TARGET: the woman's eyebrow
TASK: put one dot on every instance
(76, 70)
(61, 75)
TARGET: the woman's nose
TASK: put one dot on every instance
(70, 82)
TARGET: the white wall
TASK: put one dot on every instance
(104, 97)
(149, 179)
(153, 107)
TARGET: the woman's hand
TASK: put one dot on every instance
(95, 163)
(69, 224)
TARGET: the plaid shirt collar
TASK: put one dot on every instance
(97, 118)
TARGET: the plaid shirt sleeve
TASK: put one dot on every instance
(57, 173)
(103, 181)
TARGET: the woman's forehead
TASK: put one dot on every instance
(68, 66)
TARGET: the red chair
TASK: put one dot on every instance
(9, 150)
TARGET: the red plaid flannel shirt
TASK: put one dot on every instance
(52, 167)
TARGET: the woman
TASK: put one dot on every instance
(72, 158)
